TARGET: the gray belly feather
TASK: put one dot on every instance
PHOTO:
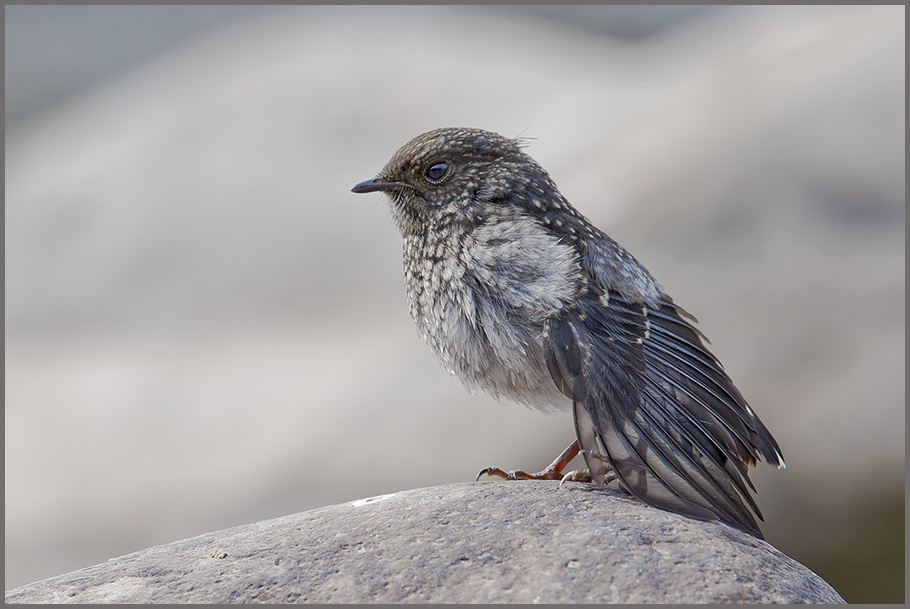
(486, 326)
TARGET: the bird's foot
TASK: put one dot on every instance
(515, 474)
(609, 474)
(551, 472)
(576, 475)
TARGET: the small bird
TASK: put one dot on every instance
(520, 295)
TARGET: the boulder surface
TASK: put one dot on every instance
(485, 542)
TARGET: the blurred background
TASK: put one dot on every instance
(205, 328)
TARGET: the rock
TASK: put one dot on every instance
(487, 542)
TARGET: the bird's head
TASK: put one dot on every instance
(458, 172)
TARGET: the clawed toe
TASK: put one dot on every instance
(515, 474)
(576, 475)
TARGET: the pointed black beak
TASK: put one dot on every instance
(375, 184)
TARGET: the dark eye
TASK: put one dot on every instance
(437, 172)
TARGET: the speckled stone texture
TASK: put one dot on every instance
(486, 542)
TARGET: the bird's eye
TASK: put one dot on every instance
(437, 172)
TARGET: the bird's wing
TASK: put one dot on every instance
(670, 423)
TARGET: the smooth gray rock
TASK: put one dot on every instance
(487, 542)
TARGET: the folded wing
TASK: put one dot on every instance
(661, 410)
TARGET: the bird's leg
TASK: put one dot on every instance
(609, 474)
(551, 472)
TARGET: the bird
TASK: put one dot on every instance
(521, 296)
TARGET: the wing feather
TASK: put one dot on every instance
(665, 415)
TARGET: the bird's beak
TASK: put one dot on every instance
(379, 183)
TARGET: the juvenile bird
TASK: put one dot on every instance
(519, 294)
